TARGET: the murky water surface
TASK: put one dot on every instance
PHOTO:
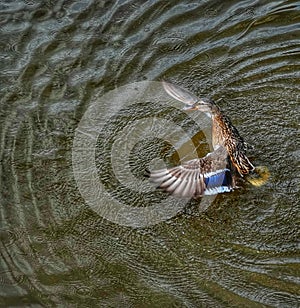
(57, 57)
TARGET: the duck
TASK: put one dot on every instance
(218, 171)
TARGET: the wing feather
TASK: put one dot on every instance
(204, 176)
(180, 94)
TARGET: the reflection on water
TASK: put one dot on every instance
(56, 58)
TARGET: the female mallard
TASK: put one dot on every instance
(214, 173)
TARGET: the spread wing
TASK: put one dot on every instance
(205, 176)
(180, 94)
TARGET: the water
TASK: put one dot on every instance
(56, 58)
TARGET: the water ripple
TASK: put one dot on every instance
(57, 57)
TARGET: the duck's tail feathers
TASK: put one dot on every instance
(242, 163)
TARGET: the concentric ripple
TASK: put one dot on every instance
(57, 57)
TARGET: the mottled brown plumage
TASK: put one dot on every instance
(225, 134)
(215, 172)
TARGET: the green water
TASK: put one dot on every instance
(57, 58)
